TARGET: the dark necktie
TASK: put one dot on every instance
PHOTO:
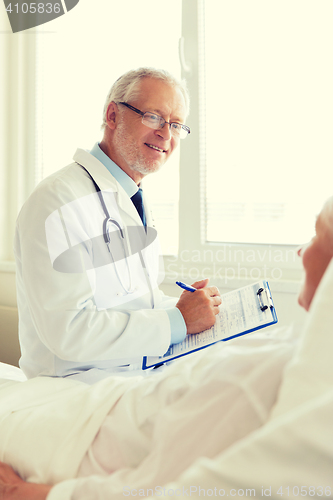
(138, 203)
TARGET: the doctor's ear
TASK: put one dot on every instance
(111, 115)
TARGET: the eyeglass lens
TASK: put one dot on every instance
(157, 122)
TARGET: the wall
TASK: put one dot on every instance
(9, 345)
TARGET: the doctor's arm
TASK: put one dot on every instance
(199, 308)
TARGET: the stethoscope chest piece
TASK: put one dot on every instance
(106, 235)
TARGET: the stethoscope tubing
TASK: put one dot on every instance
(106, 236)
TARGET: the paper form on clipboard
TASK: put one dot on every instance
(242, 311)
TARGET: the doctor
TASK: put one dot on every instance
(88, 266)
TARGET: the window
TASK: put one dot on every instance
(260, 155)
(269, 103)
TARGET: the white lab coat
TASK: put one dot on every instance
(74, 312)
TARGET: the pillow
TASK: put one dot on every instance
(11, 372)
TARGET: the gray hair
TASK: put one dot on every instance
(327, 218)
(127, 87)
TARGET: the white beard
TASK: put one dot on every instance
(129, 151)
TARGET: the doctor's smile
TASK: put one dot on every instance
(156, 148)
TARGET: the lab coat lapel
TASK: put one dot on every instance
(96, 169)
(106, 181)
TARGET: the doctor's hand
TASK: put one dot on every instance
(199, 308)
(12, 487)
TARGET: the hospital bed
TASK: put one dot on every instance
(252, 413)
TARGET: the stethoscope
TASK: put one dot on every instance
(106, 235)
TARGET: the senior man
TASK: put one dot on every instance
(289, 452)
(87, 254)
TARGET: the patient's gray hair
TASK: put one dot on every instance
(127, 87)
(327, 217)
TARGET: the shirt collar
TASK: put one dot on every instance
(124, 180)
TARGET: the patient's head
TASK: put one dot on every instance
(317, 254)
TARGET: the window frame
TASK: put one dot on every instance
(194, 252)
(18, 131)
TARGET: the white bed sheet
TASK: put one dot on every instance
(199, 407)
(47, 424)
(290, 455)
(148, 429)
(236, 415)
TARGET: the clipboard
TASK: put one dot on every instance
(242, 311)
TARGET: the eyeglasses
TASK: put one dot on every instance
(157, 122)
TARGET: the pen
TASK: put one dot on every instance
(189, 288)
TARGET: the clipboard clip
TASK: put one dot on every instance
(265, 299)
